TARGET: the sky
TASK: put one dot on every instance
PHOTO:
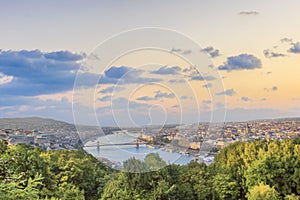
(90, 62)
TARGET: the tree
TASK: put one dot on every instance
(226, 187)
(77, 168)
(262, 192)
(116, 188)
(291, 197)
(134, 165)
(3, 146)
(278, 166)
(163, 190)
(154, 162)
(18, 188)
(195, 181)
(70, 191)
(62, 174)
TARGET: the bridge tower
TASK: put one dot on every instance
(98, 146)
(137, 145)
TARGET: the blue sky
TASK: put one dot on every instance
(254, 47)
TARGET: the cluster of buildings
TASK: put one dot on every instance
(48, 141)
(201, 141)
(207, 137)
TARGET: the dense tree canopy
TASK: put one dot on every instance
(251, 170)
(31, 173)
(259, 169)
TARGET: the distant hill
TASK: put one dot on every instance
(31, 123)
(280, 119)
(45, 125)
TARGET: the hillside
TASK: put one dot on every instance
(30, 123)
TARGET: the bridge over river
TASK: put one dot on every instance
(136, 142)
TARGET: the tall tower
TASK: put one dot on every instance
(248, 129)
(35, 132)
(98, 146)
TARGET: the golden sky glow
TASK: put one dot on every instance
(252, 52)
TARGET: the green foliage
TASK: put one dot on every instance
(116, 188)
(274, 163)
(291, 197)
(70, 191)
(226, 187)
(252, 170)
(277, 166)
(31, 173)
(171, 182)
(163, 190)
(197, 177)
(77, 168)
(134, 165)
(19, 188)
(3, 146)
(262, 192)
(154, 162)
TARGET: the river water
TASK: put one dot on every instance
(119, 153)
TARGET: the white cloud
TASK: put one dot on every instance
(4, 79)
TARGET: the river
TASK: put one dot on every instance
(117, 154)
